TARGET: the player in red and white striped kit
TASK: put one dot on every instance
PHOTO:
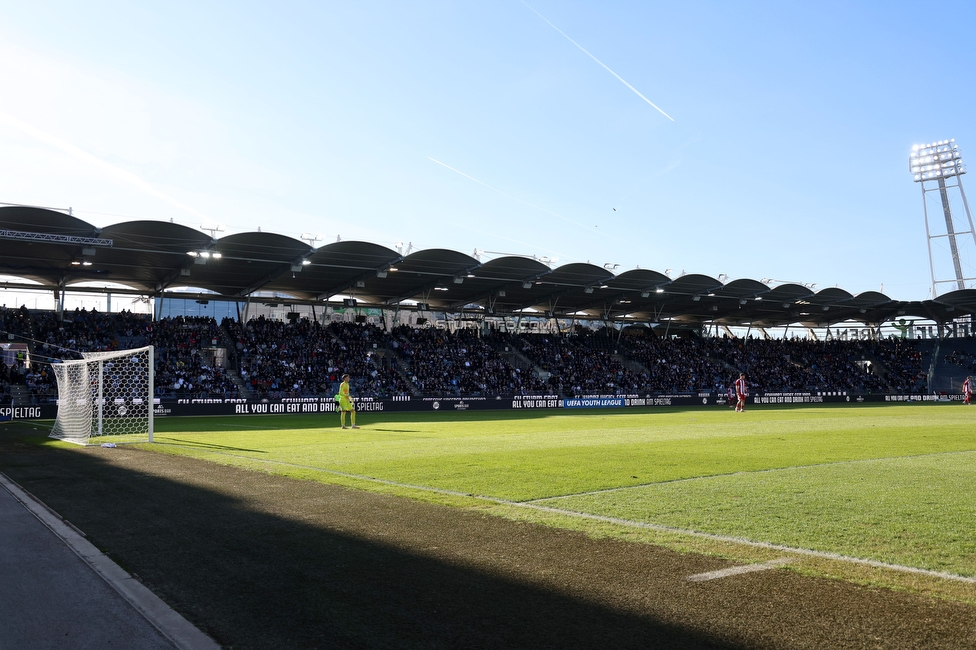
(741, 393)
(967, 389)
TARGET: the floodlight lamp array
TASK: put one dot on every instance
(940, 159)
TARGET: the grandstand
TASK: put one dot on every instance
(442, 324)
(198, 359)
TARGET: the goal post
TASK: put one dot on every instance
(105, 397)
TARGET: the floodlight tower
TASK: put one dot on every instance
(931, 164)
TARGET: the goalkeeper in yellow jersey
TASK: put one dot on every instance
(346, 404)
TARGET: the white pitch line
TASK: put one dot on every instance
(749, 542)
(739, 570)
(639, 486)
(617, 521)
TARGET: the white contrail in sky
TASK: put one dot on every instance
(86, 157)
(495, 189)
(495, 233)
(619, 78)
(514, 198)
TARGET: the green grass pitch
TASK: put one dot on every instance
(892, 484)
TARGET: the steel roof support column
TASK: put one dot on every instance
(59, 299)
(951, 233)
(938, 161)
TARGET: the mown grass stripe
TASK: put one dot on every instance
(826, 555)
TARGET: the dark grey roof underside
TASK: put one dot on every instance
(151, 257)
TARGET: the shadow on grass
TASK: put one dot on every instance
(371, 418)
(264, 562)
(205, 445)
(382, 429)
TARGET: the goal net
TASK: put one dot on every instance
(105, 397)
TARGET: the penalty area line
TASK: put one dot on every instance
(629, 523)
(771, 470)
(729, 539)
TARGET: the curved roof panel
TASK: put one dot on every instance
(425, 276)
(496, 284)
(48, 247)
(870, 299)
(148, 254)
(830, 296)
(744, 288)
(248, 262)
(513, 268)
(693, 284)
(578, 275)
(640, 280)
(41, 220)
(41, 244)
(964, 298)
(788, 293)
(334, 269)
(571, 289)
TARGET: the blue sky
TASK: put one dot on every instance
(478, 125)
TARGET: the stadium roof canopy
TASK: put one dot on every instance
(59, 252)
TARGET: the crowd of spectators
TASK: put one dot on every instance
(87, 331)
(182, 365)
(14, 323)
(577, 365)
(460, 363)
(801, 365)
(381, 370)
(677, 365)
(275, 359)
(902, 361)
(647, 364)
(14, 373)
(964, 359)
(185, 358)
(304, 358)
(55, 339)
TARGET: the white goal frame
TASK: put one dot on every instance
(106, 396)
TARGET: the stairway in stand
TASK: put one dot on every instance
(20, 395)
